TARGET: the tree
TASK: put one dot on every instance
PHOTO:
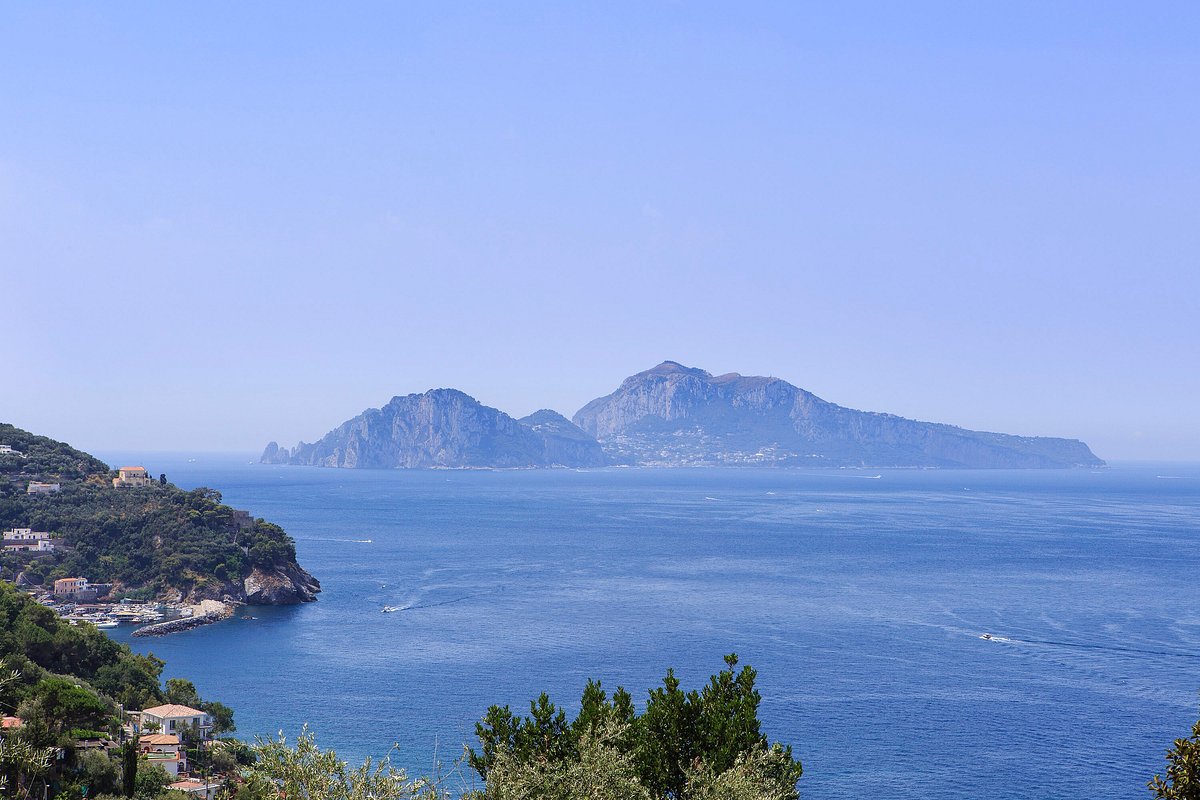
(601, 770)
(684, 746)
(1183, 770)
(26, 764)
(149, 782)
(97, 772)
(67, 705)
(182, 692)
(129, 767)
(306, 771)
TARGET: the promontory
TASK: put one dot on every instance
(130, 533)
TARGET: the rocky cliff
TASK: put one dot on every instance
(444, 428)
(676, 415)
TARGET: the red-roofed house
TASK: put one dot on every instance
(163, 749)
(11, 722)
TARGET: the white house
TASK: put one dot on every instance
(37, 487)
(26, 539)
(24, 535)
(195, 788)
(6, 450)
(174, 718)
(40, 545)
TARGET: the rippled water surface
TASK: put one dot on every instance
(860, 600)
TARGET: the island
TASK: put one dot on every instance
(669, 416)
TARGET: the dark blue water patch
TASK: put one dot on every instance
(860, 600)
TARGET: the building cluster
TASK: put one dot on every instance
(163, 733)
(27, 539)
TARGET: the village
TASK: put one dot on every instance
(75, 598)
(164, 735)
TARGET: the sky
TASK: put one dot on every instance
(227, 223)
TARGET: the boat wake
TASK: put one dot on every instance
(451, 601)
(1111, 648)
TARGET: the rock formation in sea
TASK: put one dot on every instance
(445, 428)
(674, 415)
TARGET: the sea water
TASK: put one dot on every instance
(860, 597)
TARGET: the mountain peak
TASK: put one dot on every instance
(675, 368)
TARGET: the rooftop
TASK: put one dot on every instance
(172, 710)
(159, 738)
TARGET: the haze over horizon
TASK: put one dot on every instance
(226, 224)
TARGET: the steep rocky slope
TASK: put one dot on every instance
(444, 428)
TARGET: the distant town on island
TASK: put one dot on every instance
(668, 416)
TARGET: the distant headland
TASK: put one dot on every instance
(668, 416)
(83, 537)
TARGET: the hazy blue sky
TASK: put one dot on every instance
(224, 223)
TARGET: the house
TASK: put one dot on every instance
(24, 535)
(196, 788)
(9, 723)
(6, 450)
(163, 749)
(40, 545)
(131, 476)
(70, 587)
(37, 487)
(174, 718)
(26, 539)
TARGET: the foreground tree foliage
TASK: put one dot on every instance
(305, 771)
(1183, 770)
(684, 746)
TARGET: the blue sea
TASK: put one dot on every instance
(859, 596)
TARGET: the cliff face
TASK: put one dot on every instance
(280, 586)
(444, 428)
(675, 415)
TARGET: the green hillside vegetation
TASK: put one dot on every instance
(147, 540)
(69, 683)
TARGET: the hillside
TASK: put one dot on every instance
(148, 541)
(674, 415)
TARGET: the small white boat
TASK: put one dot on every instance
(390, 609)
(107, 623)
(986, 636)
